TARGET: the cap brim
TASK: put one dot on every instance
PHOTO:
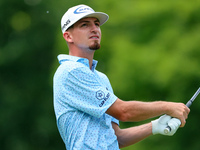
(102, 17)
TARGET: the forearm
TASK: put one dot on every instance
(138, 111)
(129, 136)
(132, 111)
(145, 110)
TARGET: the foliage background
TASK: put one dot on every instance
(150, 51)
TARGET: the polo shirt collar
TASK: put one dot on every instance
(63, 57)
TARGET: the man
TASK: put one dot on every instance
(87, 110)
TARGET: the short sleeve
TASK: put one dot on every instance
(115, 121)
(84, 92)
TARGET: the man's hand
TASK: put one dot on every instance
(178, 110)
(174, 124)
(160, 124)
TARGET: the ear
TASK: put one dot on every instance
(67, 36)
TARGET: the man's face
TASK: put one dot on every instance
(86, 33)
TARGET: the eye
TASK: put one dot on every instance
(83, 25)
(97, 24)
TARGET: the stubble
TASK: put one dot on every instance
(95, 46)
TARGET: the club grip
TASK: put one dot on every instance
(167, 130)
(189, 103)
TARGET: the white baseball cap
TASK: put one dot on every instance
(78, 12)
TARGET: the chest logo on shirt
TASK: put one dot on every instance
(100, 95)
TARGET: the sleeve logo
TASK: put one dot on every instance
(100, 95)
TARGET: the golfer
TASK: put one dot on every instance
(86, 108)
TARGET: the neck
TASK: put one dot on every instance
(89, 54)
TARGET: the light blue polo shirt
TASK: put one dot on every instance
(81, 98)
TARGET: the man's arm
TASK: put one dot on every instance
(132, 135)
(138, 111)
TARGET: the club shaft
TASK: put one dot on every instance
(189, 103)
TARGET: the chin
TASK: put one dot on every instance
(95, 46)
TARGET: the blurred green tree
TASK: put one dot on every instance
(150, 51)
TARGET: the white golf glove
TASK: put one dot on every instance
(159, 125)
(174, 124)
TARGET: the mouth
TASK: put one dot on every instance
(96, 37)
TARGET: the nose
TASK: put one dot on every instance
(95, 28)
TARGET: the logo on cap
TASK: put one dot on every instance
(83, 9)
(67, 22)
